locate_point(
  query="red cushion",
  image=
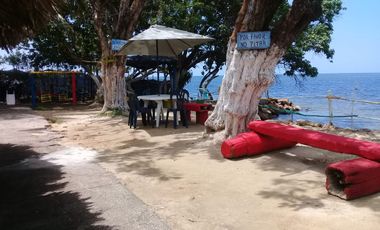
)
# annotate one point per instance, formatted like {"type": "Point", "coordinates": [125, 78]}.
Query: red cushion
{"type": "Point", "coordinates": [197, 107]}
{"type": "Point", "coordinates": [359, 190]}
{"type": "Point", "coordinates": [340, 144]}
{"type": "Point", "coordinates": [353, 178]}
{"type": "Point", "coordinates": [250, 143]}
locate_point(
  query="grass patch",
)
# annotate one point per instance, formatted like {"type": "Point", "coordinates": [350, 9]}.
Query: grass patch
{"type": "Point", "coordinates": [113, 113]}
{"type": "Point", "coordinates": [116, 112]}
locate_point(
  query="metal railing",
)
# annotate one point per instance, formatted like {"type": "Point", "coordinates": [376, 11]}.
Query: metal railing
{"type": "Point", "coordinates": [331, 114]}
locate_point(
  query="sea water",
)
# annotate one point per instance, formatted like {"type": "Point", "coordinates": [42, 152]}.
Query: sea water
{"type": "Point", "coordinates": [310, 94]}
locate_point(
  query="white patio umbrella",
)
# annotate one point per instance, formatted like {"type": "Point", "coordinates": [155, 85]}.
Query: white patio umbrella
{"type": "Point", "coordinates": [170, 42]}
{"type": "Point", "coordinates": [162, 41]}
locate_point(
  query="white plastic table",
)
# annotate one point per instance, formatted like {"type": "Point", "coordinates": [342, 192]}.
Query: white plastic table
{"type": "Point", "coordinates": [159, 100]}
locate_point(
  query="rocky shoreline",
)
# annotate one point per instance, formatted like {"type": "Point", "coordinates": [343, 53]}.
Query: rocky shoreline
{"type": "Point", "coordinates": [270, 108]}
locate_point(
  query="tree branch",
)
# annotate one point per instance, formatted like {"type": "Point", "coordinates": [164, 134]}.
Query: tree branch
{"type": "Point", "coordinates": [295, 21]}
{"type": "Point", "coordinates": [98, 21]}
{"type": "Point", "coordinates": [136, 8]}
{"type": "Point", "coordinates": [200, 58]}
{"type": "Point", "coordinates": [129, 13]}
{"type": "Point", "coordinates": [209, 77]}
{"type": "Point", "coordinates": [122, 17]}
{"type": "Point", "coordinates": [143, 74]}
{"type": "Point", "coordinates": [239, 21]}
{"type": "Point", "coordinates": [263, 12]}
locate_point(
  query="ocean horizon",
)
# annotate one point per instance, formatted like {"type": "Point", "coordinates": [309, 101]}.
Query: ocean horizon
{"type": "Point", "coordinates": [354, 89]}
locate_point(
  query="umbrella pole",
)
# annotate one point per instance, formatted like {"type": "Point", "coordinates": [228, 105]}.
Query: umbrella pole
{"type": "Point", "coordinates": [158, 75]}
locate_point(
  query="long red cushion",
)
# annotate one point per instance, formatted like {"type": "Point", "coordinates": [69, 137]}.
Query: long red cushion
{"type": "Point", "coordinates": [340, 144]}
{"type": "Point", "coordinates": [355, 178]}
{"type": "Point", "coordinates": [250, 143]}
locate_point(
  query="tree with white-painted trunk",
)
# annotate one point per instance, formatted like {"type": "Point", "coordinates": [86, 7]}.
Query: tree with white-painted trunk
{"type": "Point", "coordinates": [249, 73]}
{"type": "Point", "coordinates": [114, 19]}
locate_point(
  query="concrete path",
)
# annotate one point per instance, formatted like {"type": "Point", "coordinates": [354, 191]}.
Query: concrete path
{"type": "Point", "coordinates": [48, 186]}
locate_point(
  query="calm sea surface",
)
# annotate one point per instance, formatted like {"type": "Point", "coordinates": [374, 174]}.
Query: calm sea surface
{"type": "Point", "coordinates": [310, 94]}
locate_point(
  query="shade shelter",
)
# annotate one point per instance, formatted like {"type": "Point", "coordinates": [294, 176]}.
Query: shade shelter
{"type": "Point", "coordinates": [162, 41]}
{"type": "Point", "coordinates": [149, 62]}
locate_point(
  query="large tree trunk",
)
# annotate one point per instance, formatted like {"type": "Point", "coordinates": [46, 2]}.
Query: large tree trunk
{"type": "Point", "coordinates": [114, 83]}
{"type": "Point", "coordinates": [124, 20]}
{"type": "Point", "coordinates": [249, 73]}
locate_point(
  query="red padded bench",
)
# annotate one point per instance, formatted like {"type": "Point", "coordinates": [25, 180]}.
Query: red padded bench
{"type": "Point", "coordinates": [347, 179]}
{"type": "Point", "coordinates": [366, 149]}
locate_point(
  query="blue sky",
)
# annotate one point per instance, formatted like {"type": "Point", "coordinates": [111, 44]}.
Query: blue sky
{"type": "Point", "coordinates": [356, 40]}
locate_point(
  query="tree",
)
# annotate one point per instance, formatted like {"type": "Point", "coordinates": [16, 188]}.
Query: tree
{"type": "Point", "coordinates": [82, 36]}
{"type": "Point", "coordinates": [70, 40]}
{"type": "Point", "coordinates": [20, 19]}
{"type": "Point", "coordinates": [114, 19]}
{"type": "Point", "coordinates": [67, 42]}
{"type": "Point", "coordinates": [250, 72]}
{"type": "Point", "coordinates": [17, 60]}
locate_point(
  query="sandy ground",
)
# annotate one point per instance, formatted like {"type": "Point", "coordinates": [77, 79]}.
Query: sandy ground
{"type": "Point", "coordinates": [48, 184]}
{"type": "Point", "coordinates": [183, 177]}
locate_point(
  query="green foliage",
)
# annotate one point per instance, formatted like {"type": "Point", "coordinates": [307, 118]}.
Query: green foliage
{"type": "Point", "coordinates": [216, 19]}
{"type": "Point", "coordinates": [184, 79]}
{"type": "Point", "coordinates": [112, 113]}
{"type": "Point", "coordinates": [316, 39]}
{"type": "Point", "coordinates": [67, 41]}
{"type": "Point", "coordinates": [116, 112]}
{"type": "Point", "coordinates": [213, 18]}
{"type": "Point", "coordinates": [20, 19]}
{"type": "Point", "coordinates": [17, 60]}
{"type": "Point", "coordinates": [2, 60]}
{"type": "Point", "coordinates": [72, 40]}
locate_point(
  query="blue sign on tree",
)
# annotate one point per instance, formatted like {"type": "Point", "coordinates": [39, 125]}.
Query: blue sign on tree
{"type": "Point", "coordinates": [253, 40]}
{"type": "Point", "coordinates": [117, 44]}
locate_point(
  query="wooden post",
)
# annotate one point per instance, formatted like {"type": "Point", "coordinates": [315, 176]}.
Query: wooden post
{"type": "Point", "coordinates": [73, 88]}
{"type": "Point", "coordinates": [329, 98]}
{"type": "Point", "coordinates": [353, 107]}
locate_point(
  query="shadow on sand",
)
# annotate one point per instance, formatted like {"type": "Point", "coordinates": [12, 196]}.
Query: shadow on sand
{"type": "Point", "coordinates": [32, 195]}
{"type": "Point", "coordinates": [293, 186]}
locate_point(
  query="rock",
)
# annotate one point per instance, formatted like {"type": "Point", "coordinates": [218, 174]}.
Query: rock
{"type": "Point", "coordinates": [283, 101]}
{"type": "Point", "coordinates": [265, 110]}
{"type": "Point", "coordinates": [263, 101]}
{"type": "Point", "coordinates": [266, 114]}
{"type": "Point", "coordinates": [328, 126]}
{"type": "Point", "coordinates": [271, 107]}
{"type": "Point", "coordinates": [308, 123]}
{"type": "Point", "coordinates": [296, 108]}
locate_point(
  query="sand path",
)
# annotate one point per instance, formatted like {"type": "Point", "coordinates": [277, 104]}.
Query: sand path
{"type": "Point", "coordinates": [182, 176]}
